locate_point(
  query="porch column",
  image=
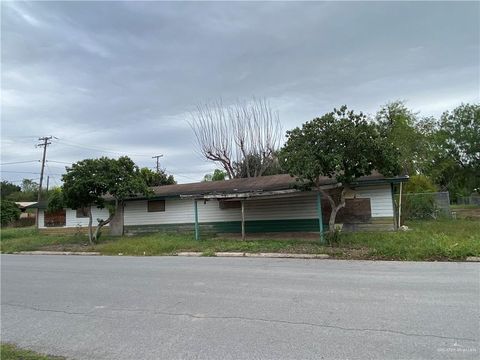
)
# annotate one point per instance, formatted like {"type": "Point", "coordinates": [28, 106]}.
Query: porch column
{"type": "Point", "coordinates": [394, 207]}
{"type": "Point", "coordinates": [243, 219]}
{"type": "Point", "coordinates": [400, 207]}
{"type": "Point", "coordinates": [320, 216]}
{"type": "Point", "coordinates": [197, 229]}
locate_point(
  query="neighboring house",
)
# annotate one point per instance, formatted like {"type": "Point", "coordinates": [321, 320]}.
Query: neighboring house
{"type": "Point", "coordinates": [266, 204]}
{"type": "Point", "coordinates": [23, 206]}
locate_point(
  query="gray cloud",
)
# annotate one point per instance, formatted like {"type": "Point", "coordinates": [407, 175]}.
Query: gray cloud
{"type": "Point", "coordinates": [111, 78]}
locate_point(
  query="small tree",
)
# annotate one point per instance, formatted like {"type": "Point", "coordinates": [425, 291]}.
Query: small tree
{"type": "Point", "coordinates": [56, 200]}
{"type": "Point", "coordinates": [8, 188]}
{"type": "Point", "coordinates": [153, 178]}
{"type": "Point", "coordinates": [89, 182]}
{"type": "Point", "coordinates": [9, 212]}
{"type": "Point", "coordinates": [398, 124]}
{"type": "Point", "coordinates": [230, 134]}
{"type": "Point", "coordinates": [342, 145]}
{"type": "Point", "coordinates": [217, 175]}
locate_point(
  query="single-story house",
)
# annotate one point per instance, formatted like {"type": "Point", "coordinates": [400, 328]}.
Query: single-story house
{"type": "Point", "coordinates": [23, 206]}
{"type": "Point", "coordinates": [249, 205]}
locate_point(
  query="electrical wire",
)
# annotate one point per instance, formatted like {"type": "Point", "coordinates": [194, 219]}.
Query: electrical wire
{"type": "Point", "coordinates": [59, 162]}
{"type": "Point", "coordinates": [20, 162]}
{"type": "Point", "coordinates": [25, 172]}
{"type": "Point", "coordinates": [60, 141]}
{"type": "Point", "coordinates": [49, 173]}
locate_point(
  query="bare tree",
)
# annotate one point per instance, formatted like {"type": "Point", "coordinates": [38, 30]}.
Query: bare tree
{"type": "Point", "coordinates": [233, 134]}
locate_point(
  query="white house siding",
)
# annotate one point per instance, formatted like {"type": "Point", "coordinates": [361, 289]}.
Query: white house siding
{"type": "Point", "coordinates": [71, 219]}
{"type": "Point", "coordinates": [302, 206]}
{"type": "Point", "coordinates": [380, 199]}
{"type": "Point", "coordinates": [177, 211]}
{"type": "Point", "coordinates": [182, 211]}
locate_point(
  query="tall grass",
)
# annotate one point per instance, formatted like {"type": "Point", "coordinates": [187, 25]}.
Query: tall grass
{"type": "Point", "coordinates": [29, 239]}
{"type": "Point", "coordinates": [427, 240]}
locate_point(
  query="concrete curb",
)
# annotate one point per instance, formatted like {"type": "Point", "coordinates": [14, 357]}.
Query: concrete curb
{"type": "Point", "coordinates": [473, 259]}
{"type": "Point", "coordinates": [189, 253]}
{"type": "Point", "coordinates": [80, 253]}
{"type": "Point", "coordinates": [288, 256]}
{"type": "Point", "coordinates": [260, 255]}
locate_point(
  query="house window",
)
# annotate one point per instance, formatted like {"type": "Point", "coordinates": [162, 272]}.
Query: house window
{"type": "Point", "coordinates": [224, 205]}
{"type": "Point", "coordinates": [83, 212]}
{"type": "Point", "coordinates": [156, 205]}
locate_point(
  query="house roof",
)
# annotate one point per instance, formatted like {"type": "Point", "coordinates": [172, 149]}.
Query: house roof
{"type": "Point", "coordinates": [262, 184]}
{"type": "Point", "coordinates": [25, 204]}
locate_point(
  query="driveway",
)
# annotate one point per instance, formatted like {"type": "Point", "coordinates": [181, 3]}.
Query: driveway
{"type": "Point", "coordinates": [239, 308]}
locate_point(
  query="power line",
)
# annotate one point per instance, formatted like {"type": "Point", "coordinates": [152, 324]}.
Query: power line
{"type": "Point", "coordinates": [59, 162]}
{"type": "Point", "coordinates": [20, 172]}
{"type": "Point", "coordinates": [20, 162]}
{"type": "Point", "coordinates": [183, 176]}
{"type": "Point", "coordinates": [50, 173]}
{"type": "Point", "coordinates": [19, 181]}
{"type": "Point", "coordinates": [99, 149]}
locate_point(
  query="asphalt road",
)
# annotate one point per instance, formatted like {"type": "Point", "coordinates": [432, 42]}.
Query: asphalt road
{"type": "Point", "coordinates": [239, 308]}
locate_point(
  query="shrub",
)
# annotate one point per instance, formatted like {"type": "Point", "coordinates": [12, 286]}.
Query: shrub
{"type": "Point", "coordinates": [420, 206]}
{"type": "Point", "coordinates": [420, 184]}
{"type": "Point", "coordinates": [9, 212]}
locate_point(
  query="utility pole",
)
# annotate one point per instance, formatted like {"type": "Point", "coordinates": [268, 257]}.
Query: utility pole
{"type": "Point", "coordinates": [48, 180]}
{"type": "Point", "coordinates": [44, 144]}
{"type": "Point", "coordinates": [158, 164]}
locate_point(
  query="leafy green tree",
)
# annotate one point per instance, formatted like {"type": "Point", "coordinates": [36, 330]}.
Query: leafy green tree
{"type": "Point", "coordinates": [254, 161]}
{"type": "Point", "coordinates": [454, 150]}
{"type": "Point", "coordinates": [28, 191]}
{"type": "Point", "coordinates": [29, 185]}
{"type": "Point", "coordinates": [218, 175]}
{"type": "Point", "coordinates": [56, 200]}
{"type": "Point", "coordinates": [461, 129]}
{"type": "Point", "coordinates": [342, 145]}
{"type": "Point", "coordinates": [420, 184]}
{"type": "Point", "coordinates": [7, 188]}
{"type": "Point", "coordinates": [398, 125]}
{"type": "Point", "coordinates": [153, 178]}
{"type": "Point", "coordinates": [9, 212]}
{"type": "Point", "coordinates": [91, 181]}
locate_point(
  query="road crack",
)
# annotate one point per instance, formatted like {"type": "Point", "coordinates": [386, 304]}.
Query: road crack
{"type": "Point", "coordinates": [245, 318]}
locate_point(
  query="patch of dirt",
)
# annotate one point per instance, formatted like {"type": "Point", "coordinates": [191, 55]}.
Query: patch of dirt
{"type": "Point", "coordinates": [348, 253]}
{"type": "Point", "coordinates": [67, 247]}
{"type": "Point", "coordinates": [308, 236]}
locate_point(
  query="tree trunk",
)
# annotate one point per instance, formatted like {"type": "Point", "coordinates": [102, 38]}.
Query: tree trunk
{"type": "Point", "coordinates": [102, 223]}
{"type": "Point", "coordinates": [90, 230]}
{"type": "Point", "coordinates": [334, 207]}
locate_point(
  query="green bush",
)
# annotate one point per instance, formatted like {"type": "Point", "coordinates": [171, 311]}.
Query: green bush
{"type": "Point", "coordinates": [419, 206]}
{"type": "Point", "coordinates": [419, 184]}
{"type": "Point", "coordinates": [9, 212]}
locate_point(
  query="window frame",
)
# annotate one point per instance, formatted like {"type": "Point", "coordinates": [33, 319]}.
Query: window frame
{"type": "Point", "coordinates": [85, 211]}
{"type": "Point", "coordinates": [156, 201]}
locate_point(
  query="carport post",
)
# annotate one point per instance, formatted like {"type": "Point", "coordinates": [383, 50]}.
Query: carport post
{"type": "Point", "coordinates": [243, 219]}
{"type": "Point", "coordinates": [320, 217]}
{"type": "Point", "coordinates": [197, 230]}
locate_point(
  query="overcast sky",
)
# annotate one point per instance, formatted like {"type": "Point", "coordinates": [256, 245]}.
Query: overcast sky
{"type": "Point", "coordinates": [113, 78]}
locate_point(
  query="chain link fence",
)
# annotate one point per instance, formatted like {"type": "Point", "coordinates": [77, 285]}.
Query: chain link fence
{"type": "Point", "coordinates": [473, 199]}
{"type": "Point", "coordinates": [426, 206]}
